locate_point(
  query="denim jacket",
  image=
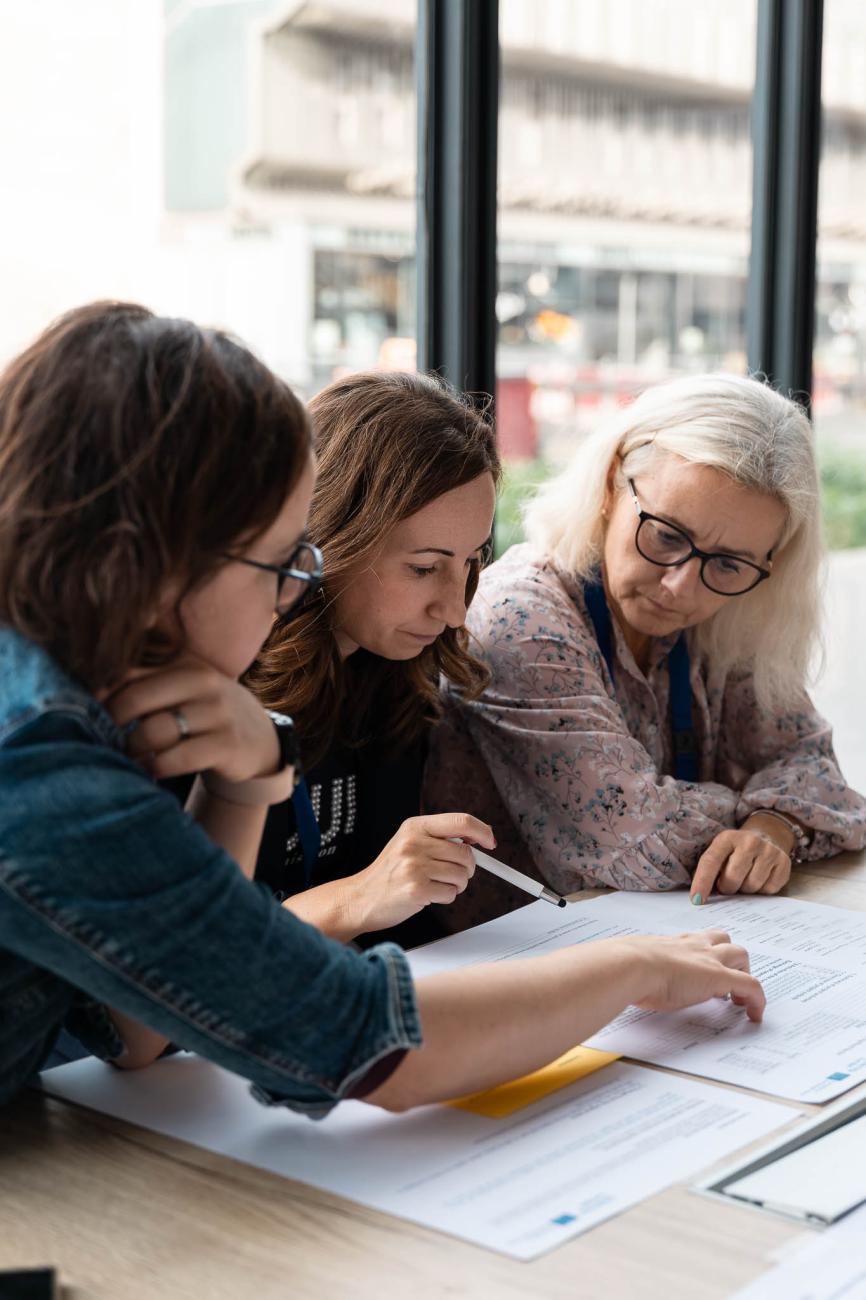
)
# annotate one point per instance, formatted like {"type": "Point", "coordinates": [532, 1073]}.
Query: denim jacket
{"type": "Point", "coordinates": [111, 895]}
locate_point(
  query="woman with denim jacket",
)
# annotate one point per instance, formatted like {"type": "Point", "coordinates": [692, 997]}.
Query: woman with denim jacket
{"type": "Point", "coordinates": [154, 485]}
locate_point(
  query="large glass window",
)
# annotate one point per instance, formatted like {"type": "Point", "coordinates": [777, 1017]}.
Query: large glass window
{"type": "Point", "coordinates": [624, 211]}
{"type": "Point", "coordinates": [248, 163]}
{"type": "Point", "coordinates": [839, 399]}
{"type": "Point", "coordinates": [839, 391]}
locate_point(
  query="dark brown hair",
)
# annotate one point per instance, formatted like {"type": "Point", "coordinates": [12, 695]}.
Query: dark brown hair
{"type": "Point", "coordinates": [134, 451]}
{"type": "Point", "coordinates": [387, 445]}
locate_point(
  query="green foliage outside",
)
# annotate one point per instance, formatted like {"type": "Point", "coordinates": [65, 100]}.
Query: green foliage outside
{"type": "Point", "coordinates": [518, 480]}
{"type": "Point", "coordinates": [843, 484]}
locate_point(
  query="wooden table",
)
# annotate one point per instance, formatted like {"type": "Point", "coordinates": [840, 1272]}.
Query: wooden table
{"type": "Point", "coordinates": [125, 1214]}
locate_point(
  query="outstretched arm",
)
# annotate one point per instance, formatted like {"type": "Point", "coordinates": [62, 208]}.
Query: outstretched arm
{"type": "Point", "coordinates": [495, 1023]}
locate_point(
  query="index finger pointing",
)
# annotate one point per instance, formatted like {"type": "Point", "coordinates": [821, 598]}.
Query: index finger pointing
{"type": "Point", "coordinates": [748, 993]}
{"type": "Point", "coordinates": [709, 865]}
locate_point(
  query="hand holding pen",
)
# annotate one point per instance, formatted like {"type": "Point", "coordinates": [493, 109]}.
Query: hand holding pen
{"type": "Point", "coordinates": [534, 887]}
{"type": "Point", "coordinates": [427, 861]}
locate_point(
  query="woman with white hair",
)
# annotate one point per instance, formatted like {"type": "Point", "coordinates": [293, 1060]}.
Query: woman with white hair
{"type": "Point", "coordinates": [647, 725]}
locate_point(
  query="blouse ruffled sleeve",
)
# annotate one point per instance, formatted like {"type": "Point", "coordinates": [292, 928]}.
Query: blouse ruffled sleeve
{"type": "Point", "coordinates": [786, 761]}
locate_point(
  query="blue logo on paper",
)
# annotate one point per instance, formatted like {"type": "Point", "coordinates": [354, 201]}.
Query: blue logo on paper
{"type": "Point", "coordinates": [838, 1075]}
{"type": "Point", "coordinates": [564, 1218]}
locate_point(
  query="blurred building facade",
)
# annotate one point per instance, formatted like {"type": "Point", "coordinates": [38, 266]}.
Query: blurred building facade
{"type": "Point", "coordinates": [624, 187]}
{"type": "Point", "coordinates": [251, 164]}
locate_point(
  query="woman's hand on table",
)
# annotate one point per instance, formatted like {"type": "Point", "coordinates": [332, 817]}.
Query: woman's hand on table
{"type": "Point", "coordinates": [756, 859]}
{"type": "Point", "coordinates": [553, 1001]}
{"type": "Point", "coordinates": [686, 969]}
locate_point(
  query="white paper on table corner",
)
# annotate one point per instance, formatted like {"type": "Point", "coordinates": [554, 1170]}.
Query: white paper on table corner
{"type": "Point", "coordinates": [519, 1185]}
{"type": "Point", "coordinates": [847, 1234]}
{"type": "Point", "coordinates": [830, 1266]}
{"type": "Point", "coordinates": [811, 959]}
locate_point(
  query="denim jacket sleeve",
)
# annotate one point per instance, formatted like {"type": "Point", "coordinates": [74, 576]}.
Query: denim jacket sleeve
{"type": "Point", "coordinates": [107, 883]}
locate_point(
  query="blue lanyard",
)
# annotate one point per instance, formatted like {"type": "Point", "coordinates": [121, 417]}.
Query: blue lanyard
{"type": "Point", "coordinates": [682, 726]}
{"type": "Point", "coordinates": [308, 827]}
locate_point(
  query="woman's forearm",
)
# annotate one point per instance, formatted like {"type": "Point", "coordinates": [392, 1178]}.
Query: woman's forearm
{"type": "Point", "coordinates": [329, 908]}
{"type": "Point", "coordinates": [495, 1023]}
{"type": "Point", "coordinates": [235, 828]}
{"type": "Point", "coordinates": [141, 1045]}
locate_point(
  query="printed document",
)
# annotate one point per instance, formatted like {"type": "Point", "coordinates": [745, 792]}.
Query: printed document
{"type": "Point", "coordinates": [810, 958]}
{"type": "Point", "coordinates": [827, 1274]}
{"type": "Point", "coordinates": [830, 1267]}
{"type": "Point", "coordinates": [519, 1184]}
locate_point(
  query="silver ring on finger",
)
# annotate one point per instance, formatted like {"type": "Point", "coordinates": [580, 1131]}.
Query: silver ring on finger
{"type": "Point", "coordinates": [183, 727]}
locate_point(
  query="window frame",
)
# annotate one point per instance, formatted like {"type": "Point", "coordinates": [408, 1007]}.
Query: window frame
{"type": "Point", "coordinates": [457, 71]}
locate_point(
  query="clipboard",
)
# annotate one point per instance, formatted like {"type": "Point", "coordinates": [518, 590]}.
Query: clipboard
{"type": "Point", "coordinates": [814, 1174]}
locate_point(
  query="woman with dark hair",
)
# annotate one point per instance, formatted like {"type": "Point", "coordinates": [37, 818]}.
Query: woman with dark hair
{"type": "Point", "coordinates": [402, 511]}
{"type": "Point", "coordinates": [154, 485]}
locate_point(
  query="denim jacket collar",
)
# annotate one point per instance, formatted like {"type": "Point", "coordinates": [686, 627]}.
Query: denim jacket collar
{"type": "Point", "coordinates": [34, 684]}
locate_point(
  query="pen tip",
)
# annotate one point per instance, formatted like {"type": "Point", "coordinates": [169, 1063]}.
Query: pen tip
{"type": "Point", "coordinates": [561, 903]}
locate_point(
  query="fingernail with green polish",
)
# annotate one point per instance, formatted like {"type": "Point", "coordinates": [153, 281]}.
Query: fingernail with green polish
{"type": "Point", "coordinates": [697, 900]}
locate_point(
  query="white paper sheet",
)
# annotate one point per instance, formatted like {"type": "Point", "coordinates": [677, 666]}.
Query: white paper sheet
{"type": "Point", "coordinates": [519, 1185]}
{"type": "Point", "coordinates": [831, 1266]}
{"type": "Point", "coordinates": [827, 1274]}
{"type": "Point", "coordinates": [810, 958]}
{"type": "Point", "coordinates": [850, 1231]}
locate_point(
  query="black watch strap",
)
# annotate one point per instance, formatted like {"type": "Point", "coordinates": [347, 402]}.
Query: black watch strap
{"type": "Point", "coordinates": [287, 739]}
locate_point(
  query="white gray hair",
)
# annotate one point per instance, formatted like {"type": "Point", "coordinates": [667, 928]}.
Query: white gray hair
{"type": "Point", "coordinates": [757, 437]}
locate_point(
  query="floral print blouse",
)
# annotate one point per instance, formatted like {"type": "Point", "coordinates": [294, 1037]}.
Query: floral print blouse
{"type": "Point", "coordinates": [573, 770]}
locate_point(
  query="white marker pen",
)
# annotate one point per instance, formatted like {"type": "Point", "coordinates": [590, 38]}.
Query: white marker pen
{"type": "Point", "coordinates": [526, 883]}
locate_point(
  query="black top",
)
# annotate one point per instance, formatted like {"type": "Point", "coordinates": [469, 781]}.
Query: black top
{"type": "Point", "coordinates": [360, 798]}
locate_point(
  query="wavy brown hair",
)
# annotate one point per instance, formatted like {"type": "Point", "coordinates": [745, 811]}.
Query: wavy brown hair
{"type": "Point", "coordinates": [134, 451]}
{"type": "Point", "coordinates": [387, 444]}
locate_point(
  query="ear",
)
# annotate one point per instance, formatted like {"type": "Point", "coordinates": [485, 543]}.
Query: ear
{"type": "Point", "coordinates": [609, 486]}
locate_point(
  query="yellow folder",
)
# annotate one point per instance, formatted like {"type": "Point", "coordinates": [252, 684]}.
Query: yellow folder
{"type": "Point", "coordinates": [497, 1103]}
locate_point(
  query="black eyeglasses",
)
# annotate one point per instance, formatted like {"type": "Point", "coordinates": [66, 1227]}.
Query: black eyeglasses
{"type": "Point", "coordinates": [300, 578]}
{"type": "Point", "coordinates": [666, 545]}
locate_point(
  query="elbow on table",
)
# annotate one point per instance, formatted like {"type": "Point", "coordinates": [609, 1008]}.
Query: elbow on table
{"type": "Point", "coordinates": [135, 1058]}
{"type": "Point", "coordinates": [398, 1095]}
